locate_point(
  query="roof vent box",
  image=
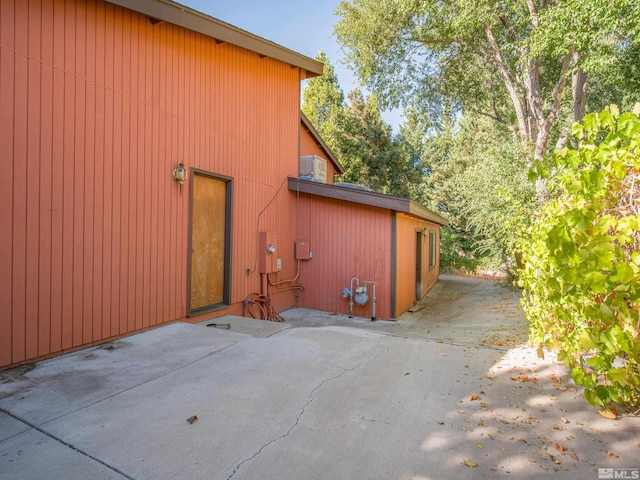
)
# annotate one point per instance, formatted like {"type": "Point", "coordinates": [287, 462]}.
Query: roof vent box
{"type": "Point", "coordinates": [314, 167]}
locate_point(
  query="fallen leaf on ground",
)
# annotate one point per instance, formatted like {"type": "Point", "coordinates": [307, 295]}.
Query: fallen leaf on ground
{"type": "Point", "coordinates": [564, 420]}
{"type": "Point", "coordinates": [524, 378]}
{"type": "Point", "coordinates": [479, 445]}
{"type": "Point", "coordinates": [560, 448]}
{"type": "Point", "coordinates": [611, 454]}
{"type": "Point", "coordinates": [554, 378]}
{"type": "Point", "coordinates": [607, 413]}
{"type": "Point", "coordinates": [192, 419]}
{"type": "Point", "coordinates": [474, 396]}
{"type": "Point", "coordinates": [574, 456]}
{"type": "Point", "coordinates": [555, 460]}
{"type": "Point", "coordinates": [469, 463]}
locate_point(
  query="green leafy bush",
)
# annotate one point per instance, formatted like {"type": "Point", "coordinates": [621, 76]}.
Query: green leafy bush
{"type": "Point", "coordinates": [455, 253]}
{"type": "Point", "coordinates": [496, 202]}
{"type": "Point", "coordinates": [580, 267]}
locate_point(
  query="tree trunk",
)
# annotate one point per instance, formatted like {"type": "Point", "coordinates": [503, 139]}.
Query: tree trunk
{"type": "Point", "coordinates": [579, 83]}
{"type": "Point", "coordinates": [534, 98]}
{"type": "Point", "coordinates": [545, 122]}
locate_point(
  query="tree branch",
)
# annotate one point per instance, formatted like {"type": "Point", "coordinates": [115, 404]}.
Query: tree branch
{"type": "Point", "coordinates": [508, 25]}
{"type": "Point", "coordinates": [494, 105]}
{"type": "Point", "coordinates": [535, 21]}
{"type": "Point", "coordinates": [454, 41]}
{"type": "Point", "coordinates": [495, 117]}
{"type": "Point", "coordinates": [502, 69]}
{"type": "Point", "coordinates": [562, 82]}
{"type": "Point", "coordinates": [545, 125]}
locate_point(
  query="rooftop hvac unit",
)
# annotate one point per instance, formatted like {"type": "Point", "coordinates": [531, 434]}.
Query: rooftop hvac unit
{"type": "Point", "coordinates": [313, 167]}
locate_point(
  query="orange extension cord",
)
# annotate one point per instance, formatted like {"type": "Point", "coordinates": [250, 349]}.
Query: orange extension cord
{"type": "Point", "coordinates": [259, 306]}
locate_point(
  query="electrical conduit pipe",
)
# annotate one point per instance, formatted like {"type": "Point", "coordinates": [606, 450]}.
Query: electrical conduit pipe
{"type": "Point", "coordinates": [373, 299]}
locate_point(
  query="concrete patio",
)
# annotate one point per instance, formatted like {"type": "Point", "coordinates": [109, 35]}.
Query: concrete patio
{"type": "Point", "coordinates": [450, 391]}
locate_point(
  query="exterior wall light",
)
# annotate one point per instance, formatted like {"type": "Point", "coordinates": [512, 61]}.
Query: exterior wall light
{"type": "Point", "coordinates": [180, 175]}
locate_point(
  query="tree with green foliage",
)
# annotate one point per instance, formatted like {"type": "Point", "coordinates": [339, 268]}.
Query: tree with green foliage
{"type": "Point", "coordinates": [477, 178]}
{"type": "Point", "coordinates": [359, 137]}
{"type": "Point", "coordinates": [510, 60]}
{"type": "Point", "coordinates": [496, 202]}
{"type": "Point", "coordinates": [412, 141]}
{"type": "Point", "coordinates": [619, 84]}
{"type": "Point", "coordinates": [443, 160]}
{"type": "Point", "coordinates": [323, 101]}
{"type": "Point", "coordinates": [368, 151]}
{"type": "Point", "coordinates": [581, 259]}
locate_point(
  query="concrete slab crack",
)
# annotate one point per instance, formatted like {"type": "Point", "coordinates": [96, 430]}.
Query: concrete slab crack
{"type": "Point", "coordinates": [300, 414]}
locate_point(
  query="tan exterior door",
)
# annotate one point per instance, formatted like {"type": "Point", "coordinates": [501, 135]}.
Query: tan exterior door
{"type": "Point", "coordinates": [208, 242]}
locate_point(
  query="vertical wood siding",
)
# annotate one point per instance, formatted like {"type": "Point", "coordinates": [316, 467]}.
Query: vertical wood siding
{"type": "Point", "coordinates": [406, 231]}
{"type": "Point", "coordinates": [97, 106]}
{"type": "Point", "coordinates": [348, 240]}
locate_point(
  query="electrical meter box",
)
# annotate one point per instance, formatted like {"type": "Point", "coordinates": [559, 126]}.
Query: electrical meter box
{"type": "Point", "coordinates": [268, 255]}
{"type": "Point", "coordinates": [303, 250]}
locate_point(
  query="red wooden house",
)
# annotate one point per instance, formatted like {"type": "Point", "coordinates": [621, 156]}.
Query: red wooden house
{"type": "Point", "coordinates": [392, 243]}
{"type": "Point", "coordinates": [100, 102]}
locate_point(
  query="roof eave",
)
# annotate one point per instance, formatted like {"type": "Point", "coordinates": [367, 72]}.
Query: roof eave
{"type": "Point", "coordinates": [363, 197]}
{"type": "Point", "coordinates": [177, 14]}
{"type": "Point", "coordinates": [336, 192]}
{"type": "Point", "coordinates": [419, 211]}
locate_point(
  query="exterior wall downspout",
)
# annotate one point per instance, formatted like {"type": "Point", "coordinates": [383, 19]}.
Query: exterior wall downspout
{"type": "Point", "coordinates": [394, 244]}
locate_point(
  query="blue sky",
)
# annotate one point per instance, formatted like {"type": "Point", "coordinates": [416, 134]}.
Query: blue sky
{"type": "Point", "coordinates": [304, 26]}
